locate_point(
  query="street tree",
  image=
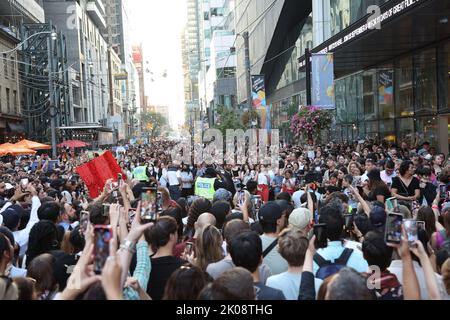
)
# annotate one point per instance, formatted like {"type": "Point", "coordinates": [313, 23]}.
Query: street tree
{"type": "Point", "coordinates": [153, 123]}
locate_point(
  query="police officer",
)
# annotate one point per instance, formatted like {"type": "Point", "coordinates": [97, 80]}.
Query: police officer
{"type": "Point", "coordinates": [207, 185]}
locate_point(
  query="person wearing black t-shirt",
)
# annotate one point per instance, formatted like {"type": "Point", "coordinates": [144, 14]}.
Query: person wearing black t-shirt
{"type": "Point", "coordinates": [162, 238]}
{"type": "Point", "coordinates": [376, 189]}
{"type": "Point", "coordinates": [406, 187]}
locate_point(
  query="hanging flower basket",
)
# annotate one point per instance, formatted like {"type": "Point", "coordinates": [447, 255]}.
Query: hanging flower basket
{"type": "Point", "coordinates": [310, 121]}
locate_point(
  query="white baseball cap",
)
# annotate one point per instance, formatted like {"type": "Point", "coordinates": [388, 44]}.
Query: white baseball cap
{"type": "Point", "coordinates": [300, 218]}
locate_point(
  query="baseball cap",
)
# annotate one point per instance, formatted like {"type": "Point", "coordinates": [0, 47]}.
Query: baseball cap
{"type": "Point", "coordinates": [377, 216]}
{"type": "Point", "coordinates": [222, 195]}
{"type": "Point", "coordinates": [300, 218]}
{"type": "Point", "coordinates": [270, 212]}
{"type": "Point", "coordinates": [11, 218]}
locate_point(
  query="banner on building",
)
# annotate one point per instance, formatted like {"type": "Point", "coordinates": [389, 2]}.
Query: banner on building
{"type": "Point", "coordinates": [386, 87]}
{"type": "Point", "coordinates": [322, 81]}
{"type": "Point", "coordinates": [95, 173]}
{"type": "Point", "coordinates": [258, 92]}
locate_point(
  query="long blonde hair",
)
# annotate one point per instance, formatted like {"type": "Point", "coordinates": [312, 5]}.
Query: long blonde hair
{"type": "Point", "coordinates": [208, 247]}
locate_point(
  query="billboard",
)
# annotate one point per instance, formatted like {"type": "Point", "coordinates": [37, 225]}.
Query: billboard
{"type": "Point", "coordinates": [258, 92]}
{"type": "Point", "coordinates": [322, 81]}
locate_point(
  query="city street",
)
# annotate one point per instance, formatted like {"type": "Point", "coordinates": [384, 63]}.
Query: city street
{"type": "Point", "coordinates": [221, 150]}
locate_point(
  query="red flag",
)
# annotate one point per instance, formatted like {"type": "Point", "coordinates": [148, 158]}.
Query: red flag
{"type": "Point", "coordinates": [95, 173]}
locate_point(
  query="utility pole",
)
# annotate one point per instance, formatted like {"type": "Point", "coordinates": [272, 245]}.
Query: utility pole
{"type": "Point", "coordinates": [52, 94]}
{"type": "Point", "coordinates": [245, 35]}
{"type": "Point", "coordinates": [308, 76]}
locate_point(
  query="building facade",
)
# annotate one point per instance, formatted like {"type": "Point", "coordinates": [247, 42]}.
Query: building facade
{"type": "Point", "coordinates": [11, 79]}
{"type": "Point", "coordinates": [217, 79]}
{"type": "Point", "coordinates": [83, 22]}
{"type": "Point", "coordinates": [191, 51]}
{"type": "Point", "coordinates": [392, 63]}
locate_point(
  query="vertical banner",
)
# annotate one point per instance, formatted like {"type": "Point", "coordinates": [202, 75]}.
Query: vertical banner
{"type": "Point", "coordinates": [258, 92]}
{"type": "Point", "coordinates": [386, 87]}
{"type": "Point", "coordinates": [322, 82]}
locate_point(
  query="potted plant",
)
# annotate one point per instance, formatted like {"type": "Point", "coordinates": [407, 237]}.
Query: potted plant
{"type": "Point", "coordinates": [310, 121]}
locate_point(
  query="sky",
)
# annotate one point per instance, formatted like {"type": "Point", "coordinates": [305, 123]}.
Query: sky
{"type": "Point", "coordinates": [158, 24]}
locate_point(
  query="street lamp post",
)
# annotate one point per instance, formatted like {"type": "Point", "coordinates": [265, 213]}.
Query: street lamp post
{"type": "Point", "coordinates": [52, 91]}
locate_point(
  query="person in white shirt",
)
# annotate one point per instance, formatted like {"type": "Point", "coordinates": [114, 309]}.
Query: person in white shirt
{"type": "Point", "coordinates": [187, 179]}
{"type": "Point", "coordinates": [174, 180]}
{"type": "Point", "coordinates": [21, 236]}
{"type": "Point", "coordinates": [388, 173]}
{"type": "Point", "coordinates": [263, 184]}
{"type": "Point", "coordinates": [370, 165]}
{"type": "Point", "coordinates": [292, 247]}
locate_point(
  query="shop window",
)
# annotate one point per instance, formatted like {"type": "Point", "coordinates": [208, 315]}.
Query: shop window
{"type": "Point", "coordinates": [369, 95]}
{"type": "Point", "coordinates": [340, 101]}
{"type": "Point", "coordinates": [444, 77]}
{"type": "Point", "coordinates": [405, 130]}
{"type": "Point", "coordinates": [404, 93]}
{"type": "Point", "coordinates": [425, 79]}
{"type": "Point", "coordinates": [387, 130]}
{"type": "Point", "coordinates": [427, 129]}
{"type": "Point", "coordinates": [372, 129]}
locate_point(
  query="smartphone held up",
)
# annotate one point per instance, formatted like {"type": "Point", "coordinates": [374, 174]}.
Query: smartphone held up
{"type": "Point", "coordinates": [393, 232]}
{"type": "Point", "coordinates": [102, 238]}
{"type": "Point", "coordinates": [321, 236]}
{"type": "Point", "coordinates": [151, 205]}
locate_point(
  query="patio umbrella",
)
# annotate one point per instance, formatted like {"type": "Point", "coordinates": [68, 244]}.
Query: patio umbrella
{"type": "Point", "coordinates": [32, 145]}
{"type": "Point", "coordinates": [73, 144]}
{"type": "Point", "coordinates": [9, 148]}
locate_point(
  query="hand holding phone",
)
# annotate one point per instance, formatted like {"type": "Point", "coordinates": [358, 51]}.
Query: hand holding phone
{"type": "Point", "coordinates": [349, 219]}
{"type": "Point", "coordinates": [149, 210]}
{"type": "Point", "coordinates": [411, 231]}
{"type": "Point", "coordinates": [321, 237]}
{"type": "Point", "coordinates": [102, 237]}
{"type": "Point", "coordinates": [189, 247]}
{"type": "Point", "coordinates": [393, 233]}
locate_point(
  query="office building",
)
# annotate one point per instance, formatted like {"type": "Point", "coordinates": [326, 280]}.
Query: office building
{"type": "Point", "coordinates": [391, 63]}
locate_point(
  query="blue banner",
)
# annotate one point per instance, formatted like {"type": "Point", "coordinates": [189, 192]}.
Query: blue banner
{"type": "Point", "coordinates": [322, 81]}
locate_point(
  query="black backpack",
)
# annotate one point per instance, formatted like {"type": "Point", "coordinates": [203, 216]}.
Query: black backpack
{"type": "Point", "coordinates": [328, 268]}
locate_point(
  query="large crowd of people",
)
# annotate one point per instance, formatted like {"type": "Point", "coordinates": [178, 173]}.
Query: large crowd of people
{"type": "Point", "coordinates": [360, 221]}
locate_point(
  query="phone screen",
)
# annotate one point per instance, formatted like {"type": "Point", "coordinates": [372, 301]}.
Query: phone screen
{"type": "Point", "coordinates": [102, 237]}
{"type": "Point", "coordinates": [84, 221]}
{"type": "Point", "coordinates": [348, 222]}
{"type": "Point", "coordinates": [391, 204]}
{"type": "Point", "coordinates": [443, 191]}
{"type": "Point", "coordinates": [394, 228]}
{"type": "Point", "coordinates": [188, 248]}
{"type": "Point", "coordinates": [106, 207]}
{"type": "Point", "coordinates": [241, 199]}
{"type": "Point", "coordinates": [257, 202]}
{"type": "Point", "coordinates": [420, 225]}
{"type": "Point", "coordinates": [159, 202]}
{"type": "Point", "coordinates": [148, 205]}
{"type": "Point", "coordinates": [411, 231]}
{"type": "Point", "coordinates": [321, 237]}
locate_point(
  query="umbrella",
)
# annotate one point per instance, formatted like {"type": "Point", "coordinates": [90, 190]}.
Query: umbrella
{"type": "Point", "coordinates": [9, 148]}
{"type": "Point", "coordinates": [73, 144]}
{"type": "Point", "coordinates": [32, 145]}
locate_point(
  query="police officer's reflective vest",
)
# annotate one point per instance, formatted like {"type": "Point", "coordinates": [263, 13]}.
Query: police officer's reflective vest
{"type": "Point", "coordinates": [204, 187]}
{"type": "Point", "coordinates": [140, 173]}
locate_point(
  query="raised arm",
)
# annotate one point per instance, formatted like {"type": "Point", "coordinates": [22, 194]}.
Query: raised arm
{"type": "Point", "coordinates": [430, 278]}
{"type": "Point", "coordinates": [307, 284]}
{"type": "Point", "coordinates": [360, 199]}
